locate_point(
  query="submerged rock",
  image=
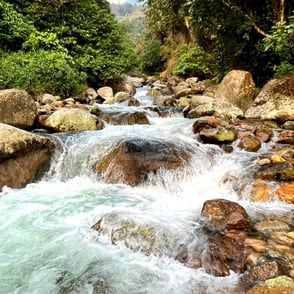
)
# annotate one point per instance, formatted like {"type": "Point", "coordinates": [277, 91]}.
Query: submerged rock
{"type": "Point", "coordinates": [285, 192]}
{"type": "Point", "coordinates": [137, 234]}
{"type": "Point", "coordinates": [125, 118]}
{"type": "Point", "coordinates": [131, 161]}
{"type": "Point", "coordinates": [22, 156]}
{"type": "Point", "coordinates": [281, 171]}
{"type": "Point", "coordinates": [250, 143]}
{"type": "Point", "coordinates": [17, 108]}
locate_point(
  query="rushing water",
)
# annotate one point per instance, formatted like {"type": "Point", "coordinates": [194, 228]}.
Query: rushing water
{"type": "Point", "coordinates": [47, 245]}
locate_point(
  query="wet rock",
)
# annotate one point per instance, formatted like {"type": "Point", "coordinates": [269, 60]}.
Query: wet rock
{"type": "Point", "coordinates": [183, 102]}
{"type": "Point", "coordinates": [219, 135]}
{"type": "Point", "coordinates": [131, 161]}
{"type": "Point", "coordinates": [222, 255]}
{"type": "Point", "coordinates": [224, 214]}
{"type": "Point", "coordinates": [125, 118]}
{"type": "Point", "coordinates": [268, 226]}
{"type": "Point", "coordinates": [288, 125]}
{"type": "Point", "coordinates": [105, 92]}
{"type": "Point", "coordinates": [17, 108]}
{"type": "Point", "coordinates": [275, 101]}
{"type": "Point", "coordinates": [133, 102]}
{"type": "Point", "coordinates": [285, 192]}
{"type": "Point", "coordinates": [261, 191]}
{"type": "Point", "coordinates": [280, 284]}
{"type": "Point", "coordinates": [280, 171]}
{"type": "Point", "coordinates": [65, 120]}
{"type": "Point", "coordinates": [286, 137]}
{"type": "Point", "coordinates": [262, 272]}
{"type": "Point", "coordinates": [250, 143]}
{"type": "Point", "coordinates": [23, 156]}
{"type": "Point", "coordinates": [257, 245]}
{"type": "Point", "coordinates": [205, 123]}
{"type": "Point", "coordinates": [237, 88]}
{"type": "Point", "coordinates": [200, 111]}
{"type": "Point", "coordinates": [154, 92]}
{"type": "Point", "coordinates": [137, 234]}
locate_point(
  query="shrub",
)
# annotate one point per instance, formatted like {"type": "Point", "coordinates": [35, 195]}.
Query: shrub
{"type": "Point", "coordinates": [194, 61]}
{"type": "Point", "coordinates": [41, 71]}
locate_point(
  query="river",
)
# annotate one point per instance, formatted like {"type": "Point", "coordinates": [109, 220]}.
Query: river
{"type": "Point", "coordinates": [47, 245]}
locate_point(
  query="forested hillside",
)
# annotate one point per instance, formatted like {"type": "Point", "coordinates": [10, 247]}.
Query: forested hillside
{"type": "Point", "coordinates": [60, 46]}
{"type": "Point", "coordinates": [208, 38]}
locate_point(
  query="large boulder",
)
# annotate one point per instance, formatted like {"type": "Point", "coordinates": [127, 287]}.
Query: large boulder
{"type": "Point", "coordinates": [17, 108]}
{"type": "Point", "coordinates": [74, 119]}
{"type": "Point", "coordinates": [105, 92]}
{"type": "Point", "coordinates": [131, 161]}
{"type": "Point", "coordinates": [275, 101]}
{"type": "Point", "coordinates": [237, 88]}
{"type": "Point", "coordinates": [22, 156]}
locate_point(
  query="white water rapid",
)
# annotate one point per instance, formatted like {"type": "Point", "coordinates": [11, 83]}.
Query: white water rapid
{"type": "Point", "coordinates": [46, 241]}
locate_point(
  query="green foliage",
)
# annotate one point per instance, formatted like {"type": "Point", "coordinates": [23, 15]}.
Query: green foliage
{"type": "Point", "coordinates": [41, 71]}
{"type": "Point", "coordinates": [14, 28]}
{"type": "Point", "coordinates": [194, 61]}
{"type": "Point", "coordinates": [151, 58]}
{"type": "Point", "coordinates": [281, 43]}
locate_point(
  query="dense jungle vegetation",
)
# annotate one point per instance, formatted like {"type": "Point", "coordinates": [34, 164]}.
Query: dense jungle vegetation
{"type": "Point", "coordinates": [62, 46]}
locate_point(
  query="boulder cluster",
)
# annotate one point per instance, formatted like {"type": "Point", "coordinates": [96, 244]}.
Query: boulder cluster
{"type": "Point", "coordinates": [233, 115]}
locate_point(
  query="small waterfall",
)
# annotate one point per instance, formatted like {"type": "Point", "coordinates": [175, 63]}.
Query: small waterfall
{"type": "Point", "coordinates": [48, 246]}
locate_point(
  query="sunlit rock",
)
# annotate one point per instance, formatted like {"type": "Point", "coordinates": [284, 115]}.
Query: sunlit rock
{"type": "Point", "coordinates": [65, 120]}
{"type": "Point", "coordinates": [219, 135]}
{"type": "Point", "coordinates": [131, 161]}
{"type": "Point", "coordinates": [261, 191]}
{"type": "Point", "coordinates": [237, 88]}
{"type": "Point", "coordinates": [23, 156]}
{"type": "Point", "coordinates": [275, 101]}
{"type": "Point", "coordinates": [224, 214]}
{"type": "Point", "coordinates": [286, 137]}
{"type": "Point", "coordinates": [285, 192]}
{"type": "Point", "coordinates": [105, 92]}
{"type": "Point", "coordinates": [17, 108]}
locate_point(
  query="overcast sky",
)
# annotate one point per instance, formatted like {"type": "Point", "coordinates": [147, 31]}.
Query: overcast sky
{"type": "Point", "coordinates": [116, 1]}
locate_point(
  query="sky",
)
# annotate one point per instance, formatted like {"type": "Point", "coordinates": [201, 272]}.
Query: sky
{"type": "Point", "coordinates": [121, 1]}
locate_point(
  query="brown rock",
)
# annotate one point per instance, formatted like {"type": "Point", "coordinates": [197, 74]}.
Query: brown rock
{"type": "Point", "coordinates": [219, 135]}
{"type": "Point", "coordinates": [17, 108]}
{"type": "Point", "coordinates": [250, 143]}
{"type": "Point", "coordinates": [125, 118]}
{"type": "Point", "coordinates": [269, 226]}
{"type": "Point", "coordinates": [256, 244]}
{"type": "Point", "coordinates": [286, 137]}
{"type": "Point", "coordinates": [22, 156]}
{"type": "Point", "coordinates": [261, 191]}
{"type": "Point", "coordinates": [281, 171]}
{"type": "Point", "coordinates": [205, 123]}
{"type": "Point", "coordinates": [225, 214]}
{"type": "Point", "coordinates": [237, 88]}
{"type": "Point", "coordinates": [133, 160]}
{"type": "Point", "coordinates": [286, 192]}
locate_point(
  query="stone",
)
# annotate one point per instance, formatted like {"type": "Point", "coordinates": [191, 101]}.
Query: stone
{"type": "Point", "coordinates": [219, 135]}
{"type": "Point", "coordinates": [257, 245]}
{"type": "Point", "coordinates": [74, 119]}
{"type": "Point", "coordinates": [105, 92]}
{"type": "Point", "coordinates": [125, 118]}
{"type": "Point", "coordinates": [224, 214]}
{"type": "Point", "coordinates": [200, 111]}
{"type": "Point", "coordinates": [136, 234]}
{"type": "Point", "coordinates": [237, 88]}
{"type": "Point", "coordinates": [131, 161]}
{"type": "Point", "coordinates": [275, 101]}
{"type": "Point", "coordinates": [268, 226]}
{"type": "Point", "coordinates": [285, 192]}
{"type": "Point", "coordinates": [280, 171]}
{"type": "Point", "coordinates": [286, 137]}
{"type": "Point", "coordinates": [261, 191]}
{"type": "Point", "coordinates": [88, 95]}
{"type": "Point", "coordinates": [17, 108]}
{"type": "Point", "coordinates": [205, 123]}
{"type": "Point", "coordinates": [121, 97]}
{"type": "Point", "coordinates": [197, 100]}
{"type": "Point", "coordinates": [250, 143]}
{"type": "Point", "coordinates": [133, 102]}
{"type": "Point", "coordinates": [48, 99]}
{"type": "Point", "coordinates": [23, 156]}
{"type": "Point", "coordinates": [183, 102]}
{"type": "Point", "coordinates": [227, 110]}
{"type": "Point", "coordinates": [288, 125]}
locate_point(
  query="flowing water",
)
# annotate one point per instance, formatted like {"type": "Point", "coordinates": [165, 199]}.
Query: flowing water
{"type": "Point", "coordinates": [47, 245]}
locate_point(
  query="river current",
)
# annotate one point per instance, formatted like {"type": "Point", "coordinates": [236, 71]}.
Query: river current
{"type": "Point", "coordinates": [46, 241]}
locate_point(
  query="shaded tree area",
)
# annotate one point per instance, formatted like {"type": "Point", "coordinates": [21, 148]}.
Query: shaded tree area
{"type": "Point", "coordinates": [225, 34]}
{"type": "Point", "coordinates": [61, 46]}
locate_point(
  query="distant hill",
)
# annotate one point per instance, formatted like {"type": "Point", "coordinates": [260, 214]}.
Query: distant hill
{"type": "Point", "coordinates": [130, 14]}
